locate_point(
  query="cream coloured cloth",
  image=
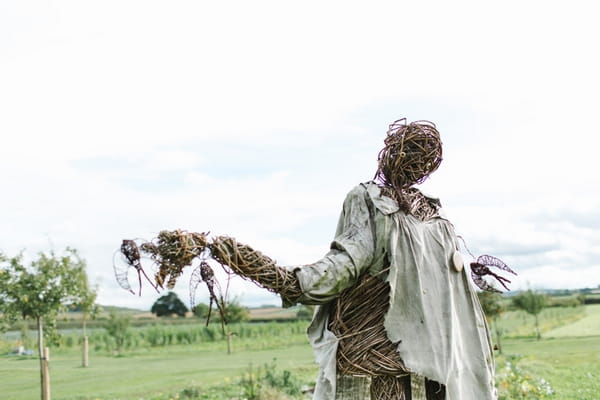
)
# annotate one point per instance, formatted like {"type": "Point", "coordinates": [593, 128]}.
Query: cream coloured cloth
{"type": "Point", "coordinates": [434, 314]}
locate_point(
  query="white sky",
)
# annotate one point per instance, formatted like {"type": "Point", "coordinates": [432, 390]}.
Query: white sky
{"type": "Point", "coordinates": [253, 119]}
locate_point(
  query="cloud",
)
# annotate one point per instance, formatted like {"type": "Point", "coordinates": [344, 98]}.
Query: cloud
{"type": "Point", "coordinates": [120, 119]}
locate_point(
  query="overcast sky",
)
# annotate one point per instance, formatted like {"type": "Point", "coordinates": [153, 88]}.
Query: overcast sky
{"type": "Point", "coordinates": [253, 119]}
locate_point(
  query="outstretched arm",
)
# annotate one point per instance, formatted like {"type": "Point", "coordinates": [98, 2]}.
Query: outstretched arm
{"type": "Point", "coordinates": [350, 255]}
{"type": "Point", "coordinates": [253, 265]}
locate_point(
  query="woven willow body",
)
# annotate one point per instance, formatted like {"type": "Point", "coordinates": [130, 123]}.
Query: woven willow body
{"type": "Point", "coordinates": [364, 349]}
{"type": "Point", "coordinates": [358, 316]}
{"type": "Point", "coordinates": [357, 321]}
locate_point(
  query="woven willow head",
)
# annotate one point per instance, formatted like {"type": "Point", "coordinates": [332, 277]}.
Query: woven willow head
{"type": "Point", "coordinates": [411, 153]}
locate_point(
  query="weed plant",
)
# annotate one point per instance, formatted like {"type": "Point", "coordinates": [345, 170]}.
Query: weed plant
{"type": "Point", "coordinates": [515, 383]}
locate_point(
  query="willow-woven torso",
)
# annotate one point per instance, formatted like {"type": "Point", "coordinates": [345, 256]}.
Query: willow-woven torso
{"type": "Point", "coordinates": [357, 321]}
{"type": "Point", "coordinates": [433, 325]}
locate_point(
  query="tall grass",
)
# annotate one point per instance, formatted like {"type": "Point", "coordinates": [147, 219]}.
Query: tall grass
{"type": "Point", "coordinates": [520, 324]}
{"type": "Point", "coordinates": [246, 336]}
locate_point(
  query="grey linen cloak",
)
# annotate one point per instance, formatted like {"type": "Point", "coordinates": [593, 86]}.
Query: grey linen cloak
{"type": "Point", "coordinates": [434, 314]}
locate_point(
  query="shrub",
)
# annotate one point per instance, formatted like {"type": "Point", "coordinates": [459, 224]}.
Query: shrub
{"type": "Point", "coordinates": [514, 383]}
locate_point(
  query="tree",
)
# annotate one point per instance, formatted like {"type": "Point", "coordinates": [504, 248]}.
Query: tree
{"type": "Point", "coordinates": [532, 303]}
{"type": "Point", "coordinates": [40, 291]}
{"type": "Point", "coordinates": [493, 308]}
{"type": "Point", "coordinates": [167, 305]}
{"type": "Point", "coordinates": [234, 312]}
{"type": "Point", "coordinates": [201, 310]}
{"type": "Point", "coordinates": [87, 305]}
{"type": "Point", "coordinates": [117, 327]}
{"type": "Point", "coordinates": [305, 313]}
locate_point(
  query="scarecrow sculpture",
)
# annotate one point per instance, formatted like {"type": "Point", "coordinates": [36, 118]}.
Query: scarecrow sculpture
{"type": "Point", "coordinates": [396, 304]}
{"type": "Point", "coordinates": [397, 316]}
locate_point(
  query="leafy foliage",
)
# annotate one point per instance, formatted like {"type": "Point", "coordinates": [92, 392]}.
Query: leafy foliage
{"type": "Point", "coordinates": [201, 310]}
{"type": "Point", "coordinates": [514, 383]}
{"type": "Point", "coordinates": [117, 327]}
{"type": "Point", "coordinates": [532, 303]}
{"type": "Point", "coordinates": [491, 303]}
{"type": "Point", "coordinates": [305, 313]}
{"type": "Point", "coordinates": [169, 304]}
{"type": "Point", "coordinates": [493, 307]}
{"type": "Point", "coordinates": [283, 380]}
{"type": "Point", "coordinates": [87, 300]}
{"type": "Point", "coordinates": [255, 383]}
{"type": "Point", "coordinates": [235, 312]}
{"type": "Point", "coordinates": [41, 290]}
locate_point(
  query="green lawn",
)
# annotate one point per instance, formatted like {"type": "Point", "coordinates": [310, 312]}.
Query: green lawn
{"type": "Point", "coordinates": [570, 364]}
{"type": "Point", "coordinates": [164, 370]}
{"type": "Point", "coordinates": [568, 357]}
{"type": "Point", "coordinates": [589, 325]}
{"type": "Point", "coordinates": [519, 324]}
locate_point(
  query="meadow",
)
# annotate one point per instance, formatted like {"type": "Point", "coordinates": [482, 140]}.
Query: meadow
{"type": "Point", "coordinates": [275, 361]}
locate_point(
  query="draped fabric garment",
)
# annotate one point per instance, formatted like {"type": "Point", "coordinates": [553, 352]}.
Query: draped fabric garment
{"type": "Point", "coordinates": [434, 315]}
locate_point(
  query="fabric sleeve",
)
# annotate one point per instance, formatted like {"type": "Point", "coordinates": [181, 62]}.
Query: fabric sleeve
{"type": "Point", "coordinates": [350, 255]}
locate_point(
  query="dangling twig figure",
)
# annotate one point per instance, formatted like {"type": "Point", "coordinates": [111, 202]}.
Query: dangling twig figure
{"type": "Point", "coordinates": [131, 254]}
{"type": "Point", "coordinates": [479, 269]}
{"type": "Point", "coordinates": [205, 273]}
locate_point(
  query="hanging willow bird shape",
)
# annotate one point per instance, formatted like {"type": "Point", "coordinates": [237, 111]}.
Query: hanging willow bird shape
{"type": "Point", "coordinates": [131, 256]}
{"type": "Point", "coordinates": [479, 269]}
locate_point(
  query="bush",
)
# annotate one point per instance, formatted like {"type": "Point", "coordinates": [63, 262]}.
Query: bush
{"type": "Point", "coordinates": [564, 301]}
{"type": "Point", "coordinates": [516, 384]}
{"type": "Point", "coordinates": [305, 313]}
{"type": "Point", "coordinates": [117, 327]}
{"type": "Point", "coordinates": [266, 383]}
{"type": "Point", "coordinates": [283, 380]}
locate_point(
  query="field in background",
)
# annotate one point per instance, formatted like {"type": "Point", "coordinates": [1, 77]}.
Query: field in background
{"type": "Point", "coordinates": [145, 373]}
{"type": "Point", "coordinates": [571, 365]}
{"type": "Point", "coordinates": [138, 318]}
{"type": "Point", "coordinates": [520, 324]}
{"type": "Point", "coordinates": [568, 357]}
{"type": "Point", "coordinates": [588, 325]}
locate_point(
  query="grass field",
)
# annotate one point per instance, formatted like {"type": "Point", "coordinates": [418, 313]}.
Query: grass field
{"type": "Point", "coordinates": [519, 324]}
{"type": "Point", "coordinates": [570, 364]}
{"type": "Point", "coordinates": [568, 357]}
{"type": "Point", "coordinates": [589, 325]}
{"type": "Point", "coordinates": [144, 374]}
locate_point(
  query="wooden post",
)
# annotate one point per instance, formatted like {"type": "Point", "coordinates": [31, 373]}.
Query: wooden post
{"type": "Point", "coordinates": [495, 323]}
{"type": "Point", "coordinates": [229, 342]}
{"type": "Point", "coordinates": [84, 356]}
{"type": "Point", "coordinates": [44, 354]}
{"type": "Point", "coordinates": [45, 375]}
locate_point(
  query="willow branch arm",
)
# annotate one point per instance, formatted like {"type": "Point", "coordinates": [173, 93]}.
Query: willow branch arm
{"type": "Point", "coordinates": [253, 265]}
